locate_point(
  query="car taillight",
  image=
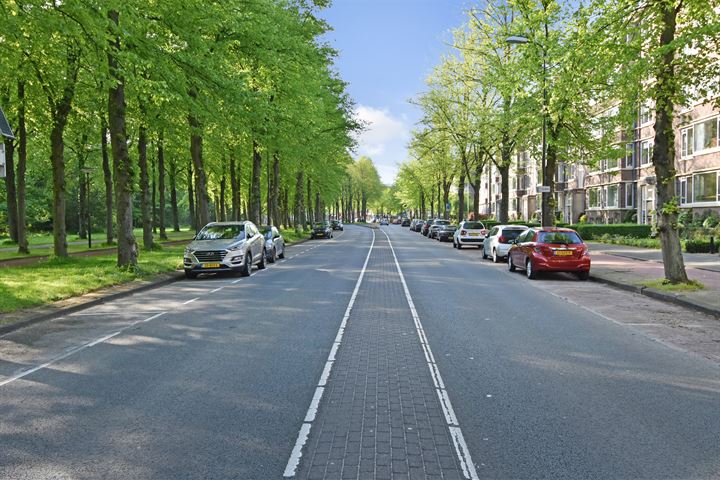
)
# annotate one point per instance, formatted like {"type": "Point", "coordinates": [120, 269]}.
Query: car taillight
{"type": "Point", "coordinates": [502, 239]}
{"type": "Point", "coordinates": [585, 252]}
{"type": "Point", "coordinates": [463, 232]}
{"type": "Point", "coordinates": [483, 232]}
{"type": "Point", "coordinates": [544, 251]}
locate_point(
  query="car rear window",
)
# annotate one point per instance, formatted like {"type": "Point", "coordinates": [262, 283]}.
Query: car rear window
{"type": "Point", "coordinates": [567, 238]}
{"type": "Point", "coordinates": [473, 225]}
{"type": "Point", "coordinates": [441, 222]}
{"type": "Point", "coordinates": [512, 233]}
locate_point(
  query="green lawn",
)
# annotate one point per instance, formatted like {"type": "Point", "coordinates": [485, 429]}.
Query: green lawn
{"type": "Point", "coordinates": [291, 236]}
{"type": "Point", "coordinates": [665, 286]}
{"type": "Point", "coordinates": [57, 279]}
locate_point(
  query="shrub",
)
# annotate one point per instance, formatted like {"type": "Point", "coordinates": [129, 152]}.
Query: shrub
{"type": "Point", "coordinates": [700, 246]}
{"type": "Point", "coordinates": [590, 231]}
{"type": "Point", "coordinates": [711, 221]}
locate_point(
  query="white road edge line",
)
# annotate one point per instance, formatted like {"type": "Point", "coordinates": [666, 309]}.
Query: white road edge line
{"type": "Point", "coordinates": [296, 454]}
{"type": "Point", "coordinates": [74, 350]}
{"type": "Point", "coordinates": [463, 454]}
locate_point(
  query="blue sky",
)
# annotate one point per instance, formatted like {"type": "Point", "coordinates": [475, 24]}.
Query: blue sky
{"type": "Point", "coordinates": [387, 50]}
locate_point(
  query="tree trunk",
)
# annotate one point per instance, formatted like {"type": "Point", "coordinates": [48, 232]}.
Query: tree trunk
{"type": "Point", "coordinates": [107, 178]}
{"type": "Point", "coordinates": [255, 193]}
{"type": "Point", "coordinates": [127, 248]}
{"type": "Point", "coordinates": [83, 188]}
{"type": "Point", "coordinates": [476, 193]}
{"type": "Point", "coordinates": [318, 210]}
{"type": "Point", "coordinates": [223, 187]}
{"type": "Point", "coordinates": [144, 190]}
{"type": "Point", "coordinates": [153, 194]}
{"type": "Point", "coordinates": [234, 190]}
{"type": "Point", "coordinates": [191, 199]}
{"type": "Point", "coordinates": [446, 198]}
{"type": "Point", "coordinates": [161, 185]}
{"type": "Point", "coordinates": [276, 220]}
{"type": "Point", "coordinates": [299, 203]}
{"type": "Point", "coordinates": [503, 207]}
{"type": "Point", "coordinates": [173, 198]}
{"type": "Point", "coordinates": [21, 167]}
{"type": "Point", "coordinates": [310, 215]}
{"type": "Point", "coordinates": [202, 201]}
{"type": "Point", "coordinates": [548, 199]}
{"type": "Point", "coordinates": [10, 189]}
{"type": "Point", "coordinates": [461, 198]}
{"type": "Point", "coordinates": [665, 89]}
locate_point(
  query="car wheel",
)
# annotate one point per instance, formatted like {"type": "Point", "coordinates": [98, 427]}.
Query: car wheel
{"type": "Point", "coordinates": [282, 254]}
{"type": "Point", "coordinates": [583, 275]}
{"type": "Point", "coordinates": [273, 256]}
{"type": "Point", "coordinates": [246, 269]}
{"type": "Point", "coordinates": [511, 265]}
{"type": "Point", "coordinates": [495, 257]}
{"type": "Point", "coordinates": [459, 246]}
{"type": "Point", "coordinates": [190, 274]}
{"type": "Point", "coordinates": [484, 255]}
{"type": "Point", "coordinates": [261, 264]}
{"type": "Point", "coordinates": [529, 270]}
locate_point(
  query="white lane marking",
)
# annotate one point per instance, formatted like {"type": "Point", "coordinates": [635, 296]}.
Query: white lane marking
{"type": "Point", "coordinates": [461, 449]}
{"type": "Point", "coordinates": [73, 351]}
{"type": "Point", "coordinates": [216, 290]}
{"type": "Point", "coordinates": [296, 454]}
{"type": "Point", "coordinates": [312, 411]}
{"type": "Point", "coordinates": [190, 301]}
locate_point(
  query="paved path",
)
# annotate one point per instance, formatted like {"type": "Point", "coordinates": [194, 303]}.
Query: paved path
{"type": "Point", "coordinates": [471, 371]}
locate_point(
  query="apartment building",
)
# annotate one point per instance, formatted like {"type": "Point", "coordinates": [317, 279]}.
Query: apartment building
{"type": "Point", "coordinates": [622, 189]}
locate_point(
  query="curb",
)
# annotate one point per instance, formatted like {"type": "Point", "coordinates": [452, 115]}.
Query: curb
{"type": "Point", "coordinates": [55, 311]}
{"type": "Point", "coordinates": [657, 295]}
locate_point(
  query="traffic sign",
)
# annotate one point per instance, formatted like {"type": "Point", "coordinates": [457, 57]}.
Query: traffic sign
{"type": "Point", "coordinates": [447, 207]}
{"type": "Point", "coordinates": [543, 189]}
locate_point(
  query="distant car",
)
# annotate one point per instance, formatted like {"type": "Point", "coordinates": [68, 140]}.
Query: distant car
{"type": "Point", "coordinates": [550, 249]}
{"type": "Point", "coordinates": [383, 221]}
{"type": "Point", "coordinates": [405, 222]}
{"type": "Point", "coordinates": [497, 242]}
{"type": "Point", "coordinates": [425, 227]}
{"type": "Point", "coordinates": [274, 243]}
{"type": "Point", "coordinates": [445, 233]}
{"type": "Point", "coordinates": [435, 226]}
{"type": "Point", "coordinates": [225, 247]}
{"type": "Point", "coordinates": [321, 230]}
{"type": "Point", "coordinates": [469, 232]}
{"type": "Point", "coordinates": [337, 225]}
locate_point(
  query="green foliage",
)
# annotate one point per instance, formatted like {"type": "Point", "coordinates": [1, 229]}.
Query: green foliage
{"type": "Point", "coordinates": [591, 231]}
{"type": "Point", "coordinates": [630, 241]}
{"type": "Point", "coordinates": [700, 246]}
{"type": "Point", "coordinates": [666, 285]}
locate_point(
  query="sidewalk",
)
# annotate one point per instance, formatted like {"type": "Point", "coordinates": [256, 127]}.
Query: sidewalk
{"type": "Point", "coordinates": [627, 267]}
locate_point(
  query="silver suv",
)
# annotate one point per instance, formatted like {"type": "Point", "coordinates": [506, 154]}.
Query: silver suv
{"type": "Point", "coordinates": [225, 247]}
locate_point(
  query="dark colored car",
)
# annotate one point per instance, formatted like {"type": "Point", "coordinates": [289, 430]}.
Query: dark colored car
{"type": "Point", "coordinates": [336, 225]}
{"type": "Point", "coordinates": [435, 225]}
{"type": "Point", "coordinates": [405, 222]}
{"type": "Point", "coordinates": [445, 232]}
{"type": "Point", "coordinates": [321, 230]}
{"type": "Point", "coordinates": [550, 249]}
{"type": "Point", "coordinates": [425, 228]}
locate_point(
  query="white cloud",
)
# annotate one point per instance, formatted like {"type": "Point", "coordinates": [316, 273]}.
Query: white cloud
{"type": "Point", "coordinates": [383, 140]}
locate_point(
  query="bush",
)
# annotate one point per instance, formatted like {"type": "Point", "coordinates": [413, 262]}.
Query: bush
{"type": "Point", "coordinates": [700, 246]}
{"type": "Point", "coordinates": [590, 231]}
{"type": "Point", "coordinates": [631, 241]}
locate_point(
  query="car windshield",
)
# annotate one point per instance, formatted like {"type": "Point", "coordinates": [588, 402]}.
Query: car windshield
{"type": "Point", "coordinates": [220, 232]}
{"type": "Point", "coordinates": [473, 225]}
{"type": "Point", "coordinates": [566, 238]}
{"type": "Point", "coordinates": [441, 222]}
{"type": "Point", "coordinates": [512, 233]}
{"type": "Point", "coordinates": [319, 225]}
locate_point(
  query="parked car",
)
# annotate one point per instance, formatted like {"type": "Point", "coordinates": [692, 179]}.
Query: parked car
{"type": "Point", "coordinates": [383, 221]}
{"type": "Point", "coordinates": [321, 230]}
{"type": "Point", "coordinates": [469, 232]}
{"type": "Point", "coordinates": [274, 243]}
{"type": "Point", "coordinates": [425, 227]}
{"type": "Point", "coordinates": [225, 247]}
{"type": "Point", "coordinates": [413, 222]}
{"type": "Point", "coordinates": [550, 249]}
{"type": "Point", "coordinates": [405, 222]}
{"type": "Point", "coordinates": [435, 225]}
{"type": "Point", "coordinates": [337, 225]}
{"type": "Point", "coordinates": [497, 241]}
{"type": "Point", "coordinates": [445, 232]}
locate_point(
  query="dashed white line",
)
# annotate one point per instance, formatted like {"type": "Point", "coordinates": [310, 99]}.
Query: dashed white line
{"type": "Point", "coordinates": [191, 300]}
{"type": "Point", "coordinates": [296, 454]}
{"type": "Point", "coordinates": [463, 454]}
{"type": "Point", "coordinates": [217, 289]}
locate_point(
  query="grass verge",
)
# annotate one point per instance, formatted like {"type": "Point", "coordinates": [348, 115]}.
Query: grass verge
{"type": "Point", "coordinates": [291, 236]}
{"type": "Point", "coordinates": [60, 278]}
{"type": "Point", "coordinates": [664, 285]}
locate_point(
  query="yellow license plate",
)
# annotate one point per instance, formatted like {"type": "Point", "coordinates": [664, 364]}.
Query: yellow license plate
{"type": "Point", "coordinates": [211, 265]}
{"type": "Point", "coordinates": [473, 234]}
{"type": "Point", "coordinates": [563, 253]}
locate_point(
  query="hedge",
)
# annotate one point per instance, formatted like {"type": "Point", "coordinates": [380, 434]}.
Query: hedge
{"type": "Point", "coordinates": [700, 246]}
{"type": "Point", "coordinates": [589, 231]}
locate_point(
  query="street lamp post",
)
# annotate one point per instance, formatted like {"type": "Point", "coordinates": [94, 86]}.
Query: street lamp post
{"type": "Point", "coordinates": [87, 171]}
{"type": "Point", "coordinates": [522, 40]}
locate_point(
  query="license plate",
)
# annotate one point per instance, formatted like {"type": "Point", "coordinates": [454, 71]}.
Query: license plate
{"type": "Point", "coordinates": [563, 253]}
{"type": "Point", "coordinates": [211, 265]}
{"type": "Point", "coordinates": [474, 234]}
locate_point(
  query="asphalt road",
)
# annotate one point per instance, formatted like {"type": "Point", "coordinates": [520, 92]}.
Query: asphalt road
{"type": "Point", "coordinates": [216, 378]}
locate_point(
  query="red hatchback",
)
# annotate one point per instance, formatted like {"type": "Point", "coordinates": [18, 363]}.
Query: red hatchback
{"type": "Point", "coordinates": [550, 249]}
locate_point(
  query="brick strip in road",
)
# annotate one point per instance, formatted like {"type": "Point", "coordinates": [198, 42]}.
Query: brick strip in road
{"type": "Point", "coordinates": [380, 416]}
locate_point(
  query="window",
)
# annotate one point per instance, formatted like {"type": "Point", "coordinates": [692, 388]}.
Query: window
{"type": "Point", "coordinates": [220, 232]}
{"type": "Point", "coordinates": [706, 134]}
{"type": "Point", "coordinates": [593, 198]}
{"type": "Point", "coordinates": [683, 190]}
{"type": "Point", "coordinates": [645, 115]}
{"type": "Point", "coordinates": [559, 238]}
{"type": "Point", "coordinates": [646, 151]}
{"type": "Point", "coordinates": [629, 155]}
{"type": "Point", "coordinates": [705, 187]}
{"type": "Point", "coordinates": [629, 195]}
{"type": "Point", "coordinates": [612, 196]}
{"type": "Point", "coordinates": [688, 141]}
